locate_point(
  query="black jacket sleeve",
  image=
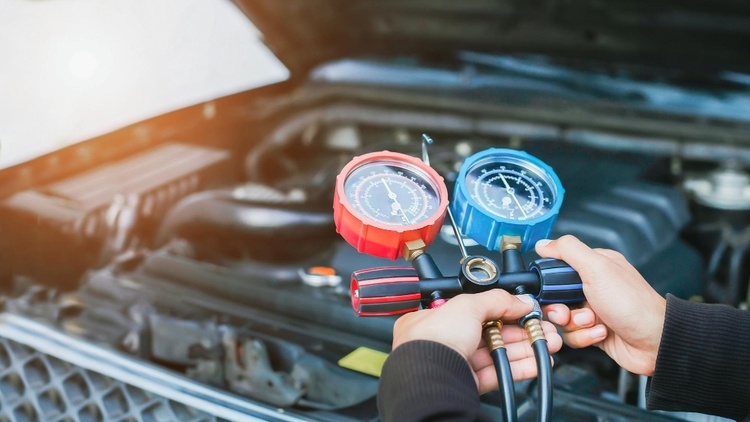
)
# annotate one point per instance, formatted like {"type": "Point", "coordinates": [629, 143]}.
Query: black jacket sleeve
{"type": "Point", "coordinates": [703, 364]}
{"type": "Point", "coordinates": [427, 381]}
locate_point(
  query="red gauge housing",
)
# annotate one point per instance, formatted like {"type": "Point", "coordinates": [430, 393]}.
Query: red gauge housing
{"type": "Point", "coordinates": [378, 237]}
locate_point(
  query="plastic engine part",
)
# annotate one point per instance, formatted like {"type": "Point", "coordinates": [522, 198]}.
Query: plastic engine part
{"type": "Point", "coordinates": [36, 386]}
{"type": "Point", "coordinates": [56, 232]}
{"type": "Point", "coordinates": [638, 220]}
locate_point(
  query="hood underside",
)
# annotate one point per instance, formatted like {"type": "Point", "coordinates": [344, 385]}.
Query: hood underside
{"type": "Point", "coordinates": [695, 33]}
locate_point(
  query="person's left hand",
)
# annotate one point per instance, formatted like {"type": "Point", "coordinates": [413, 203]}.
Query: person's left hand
{"type": "Point", "coordinates": [458, 325]}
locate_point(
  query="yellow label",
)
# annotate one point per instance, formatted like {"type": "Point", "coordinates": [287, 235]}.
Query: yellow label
{"type": "Point", "coordinates": [364, 360]}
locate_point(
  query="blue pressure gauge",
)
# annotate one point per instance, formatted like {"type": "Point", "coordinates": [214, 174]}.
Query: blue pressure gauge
{"type": "Point", "coordinates": [506, 192]}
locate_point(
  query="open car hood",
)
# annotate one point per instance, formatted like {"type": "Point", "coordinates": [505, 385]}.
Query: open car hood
{"type": "Point", "coordinates": [697, 33]}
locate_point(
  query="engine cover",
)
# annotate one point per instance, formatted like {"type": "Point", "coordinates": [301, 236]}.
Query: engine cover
{"type": "Point", "coordinates": [65, 225]}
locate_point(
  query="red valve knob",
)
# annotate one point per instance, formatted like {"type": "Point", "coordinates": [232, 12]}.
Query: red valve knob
{"type": "Point", "coordinates": [385, 291]}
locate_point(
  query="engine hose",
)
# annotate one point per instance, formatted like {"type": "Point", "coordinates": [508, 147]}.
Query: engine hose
{"type": "Point", "coordinates": [164, 268]}
{"type": "Point", "coordinates": [223, 210]}
{"type": "Point", "coordinates": [499, 355]}
{"type": "Point", "coordinates": [544, 379]}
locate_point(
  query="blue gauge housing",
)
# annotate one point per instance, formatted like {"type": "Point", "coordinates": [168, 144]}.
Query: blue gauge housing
{"type": "Point", "coordinates": [506, 192]}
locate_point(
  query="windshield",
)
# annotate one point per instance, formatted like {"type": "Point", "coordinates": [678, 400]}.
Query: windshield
{"type": "Point", "coordinates": [74, 69]}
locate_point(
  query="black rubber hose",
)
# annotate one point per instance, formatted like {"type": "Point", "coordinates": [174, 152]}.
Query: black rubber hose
{"type": "Point", "coordinates": [544, 380]}
{"type": "Point", "coordinates": [163, 268]}
{"type": "Point", "coordinates": [220, 209]}
{"type": "Point", "coordinates": [505, 383]}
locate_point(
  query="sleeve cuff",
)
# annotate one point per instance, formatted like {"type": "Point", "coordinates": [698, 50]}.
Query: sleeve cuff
{"type": "Point", "coordinates": [424, 380]}
{"type": "Point", "coordinates": [703, 364]}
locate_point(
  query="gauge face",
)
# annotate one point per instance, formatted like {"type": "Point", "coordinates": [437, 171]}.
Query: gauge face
{"type": "Point", "coordinates": [510, 188]}
{"type": "Point", "coordinates": [392, 193]}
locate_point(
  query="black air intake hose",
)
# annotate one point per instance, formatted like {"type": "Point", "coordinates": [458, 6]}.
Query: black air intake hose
{"type": "Point", "coordinates": [219, 223]}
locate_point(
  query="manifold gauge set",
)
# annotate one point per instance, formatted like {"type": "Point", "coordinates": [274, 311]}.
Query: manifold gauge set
{"type": "Point", "coordinates": [392, 205]}
{"type": "Point", "coordinates": [385, 199]}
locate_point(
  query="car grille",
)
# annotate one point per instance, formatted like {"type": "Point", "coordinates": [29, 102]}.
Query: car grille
{"type": "Point", "coordinates": [36, 386]}
{"type": "Point", "coordinates": [46, 375]}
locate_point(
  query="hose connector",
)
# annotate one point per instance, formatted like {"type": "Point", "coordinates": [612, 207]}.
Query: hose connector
{"type": "Point", "coordinates": [532, 322]}
{"type": "Point", "coordinates": [492, 336]}
{"type": "Point", "coordinates": [536, 312]}
{"type": "Point", "coordinates": [534, 330]}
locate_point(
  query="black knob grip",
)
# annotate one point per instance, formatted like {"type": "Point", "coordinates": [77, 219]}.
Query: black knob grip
{"type": "Point", "coordinates": [385, 291]}
{"type": "Point", "coordinates": [558, 282]}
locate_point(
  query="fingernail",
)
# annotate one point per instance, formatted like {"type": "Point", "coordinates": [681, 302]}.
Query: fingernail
{"type": "Point", "coordinates": [525, 299]}
{"type": "Point", "coordinates": [542, 242]}
{"type": "Point", "coordinates": [582, 319]}
{"type": "Point", "coordinates": [598, 333]}
{"type": "Point", "coordinates": [552, 316]}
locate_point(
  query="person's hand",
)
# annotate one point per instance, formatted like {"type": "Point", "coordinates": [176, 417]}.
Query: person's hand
{"type": "Point", "coordinates": [623, 315]}
{"type": "Point", "coordinates": [458, 325]}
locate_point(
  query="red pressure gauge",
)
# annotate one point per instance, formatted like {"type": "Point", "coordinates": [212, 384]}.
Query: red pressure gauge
{"type": "Point", "coordinates": [384, 199]}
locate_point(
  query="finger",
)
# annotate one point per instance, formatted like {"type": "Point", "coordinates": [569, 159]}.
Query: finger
{"type": "Point", "coordinates": [567, 246]}
{"type": "Point", "coordinates": [579, 319]}
{"type": "Point", "coordinates": [517, 343]}
{"type": "Point", "coordinates": [521, 369]}
{"type": "Point", "coordinates": [493, 304]}
{"type": "Point", "coordinates": [548, 327]}
{"type": "Point", "coordinates": [554, 342]}
{"type": "Point", "coordinates": [514, 333]}
{"type": "Point", "coordinates": [518, 349]}
{"type": "Point", "coordinates": [523, 349]}
{"type": "Point", "coordinates": [585, 337]}
{"type": "Point", "coordinates": [487, 379]}
{"type": "Point", "coordinates": [557, 313]}
{"type": "Point", "coordinates": [480, 359]}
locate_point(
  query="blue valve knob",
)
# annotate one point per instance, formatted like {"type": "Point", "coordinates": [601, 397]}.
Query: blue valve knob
{"type": "Point", "coordinates": [558, 282]}
{"type": "Point", "coordinates": [506, 192]}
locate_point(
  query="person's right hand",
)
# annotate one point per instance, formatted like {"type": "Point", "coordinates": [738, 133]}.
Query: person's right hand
{"type": "Point", "coordinates": [458, 325]}
{"type": "Point", "coordinates": [623, 315]}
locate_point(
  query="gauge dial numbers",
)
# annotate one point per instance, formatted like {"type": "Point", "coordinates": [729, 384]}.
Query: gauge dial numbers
{"type": "Point", "coordinates": [505, 192]}
{"type": "Point", "coordinates": [511, 190]}
{"type": "Point", "coordinates": [384, 199]}
{"type": "Point", "coordinates": [391, 194]}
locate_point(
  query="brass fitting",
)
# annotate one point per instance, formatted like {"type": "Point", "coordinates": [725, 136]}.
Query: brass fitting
{"type": "Point", "coordinates": [492, 336]}
{"type": "Point", "coordinates": [480, 269]}
{"type": "Point", "coordinates": [510, 242]}
{"type": "Point", "coordinates": [534, 329]}
{"type": "Point", "coordinates": [414, 248]}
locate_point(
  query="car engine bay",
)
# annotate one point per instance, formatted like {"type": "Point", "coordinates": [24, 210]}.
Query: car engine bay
{"type": "Point", "coordinates": [206, 246]}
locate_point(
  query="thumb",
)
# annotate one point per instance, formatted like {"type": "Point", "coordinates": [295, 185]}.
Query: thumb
{"type": "Point", "coordinates": [568, 248]}
{"type": "Point", "coordinates": [574, 252]}
{"type": "Point", "coordinates": [494, 304]}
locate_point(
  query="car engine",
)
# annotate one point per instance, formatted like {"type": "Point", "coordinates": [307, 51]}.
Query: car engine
{"type": "Point", "coordinates": [197, 274]}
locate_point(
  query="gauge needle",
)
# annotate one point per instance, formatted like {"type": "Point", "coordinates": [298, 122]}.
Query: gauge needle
{"type": "Point", "coordinates": [512, 193]}
{"type": "Point", "coordinates": [390, 192]}
{"type": "Point", "coordinates": [396, 204]}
